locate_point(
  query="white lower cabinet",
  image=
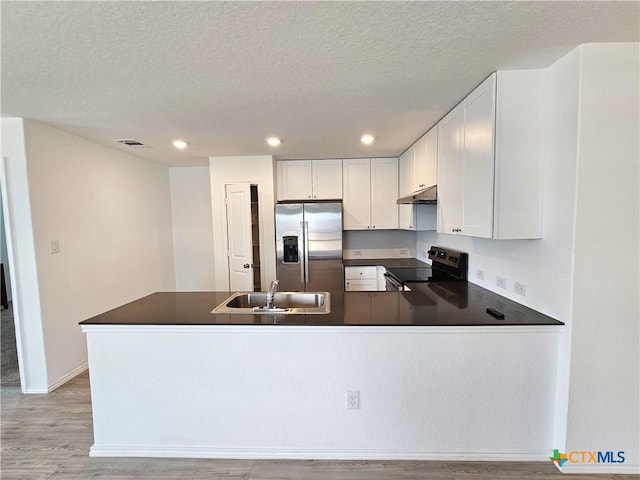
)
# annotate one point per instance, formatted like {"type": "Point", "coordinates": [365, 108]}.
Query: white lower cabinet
{"type": "Point", "coordinates": [366, 279]}
{"type": "Point", "coordinates": [490, 157]}
{"type": "Point", "coordinates": [370, 191]}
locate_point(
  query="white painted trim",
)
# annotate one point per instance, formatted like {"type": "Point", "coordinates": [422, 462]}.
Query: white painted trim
{"type": "Point", "coordinates": [346, 454]}
{"type": "Point", "coordinates": [8, 227]}
{"type": "Point", "coordinates": [35, 390]}
{"type": "Point", "coordinates": [298, 329]}
{"type": "Point", "coordinates": [590, 468]}
{"type": "Point", "coordinates": [73, 373]}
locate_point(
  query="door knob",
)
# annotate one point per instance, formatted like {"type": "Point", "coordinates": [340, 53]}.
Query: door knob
{"type": "Point", "coordinates": [247, 265]}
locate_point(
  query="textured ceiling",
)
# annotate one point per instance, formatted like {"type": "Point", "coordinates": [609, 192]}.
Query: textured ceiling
{"type": "Point", "coordinates": [224, 75]}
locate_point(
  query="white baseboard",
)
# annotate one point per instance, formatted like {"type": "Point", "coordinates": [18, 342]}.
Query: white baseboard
{"type": "Point", "coordinates": [281, 454]}
{"type": "Point", "coordinates": [35, 390]}
{"type": "Point", "coordinates": [597, 468]}
{"type": "Point", "coordinates": [73, 373]}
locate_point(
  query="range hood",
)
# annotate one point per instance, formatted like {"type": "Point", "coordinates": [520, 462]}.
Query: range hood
{"type": "Point", "coordinates": [426, 196]}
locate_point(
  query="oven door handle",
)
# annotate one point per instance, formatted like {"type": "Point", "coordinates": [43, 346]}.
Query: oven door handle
{"type": "Point", "coordinates": [393, 281]}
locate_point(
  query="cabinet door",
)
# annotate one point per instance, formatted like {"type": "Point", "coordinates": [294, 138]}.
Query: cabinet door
{"type": "Point", "coordinates": [356, 178]}
{"type": "Point", "coordinates": [430, 173]}
{"type": "Point", "coordinates": [406, 213]}
{"type": "Point", "coordinates": [327, 179]}
{"type": "Point", "coordinates": [384, 308]}
{"type": "Point", "coordinates": [294, 180]}
{"type": "Point", "coordinates": [407, 217]}
{"type": "Point", "coordinates": [478, 171]}
{"type": "Point", "coordinates": [420, 164]}
{"type": "Point", "coordinates": [384, 193]}
{"type": "Point", "coordinates": [357, 308]}
{"type": "Point", "coordinates": [450, 160]}
{"type": "Point", "coordinates": [405, 173]}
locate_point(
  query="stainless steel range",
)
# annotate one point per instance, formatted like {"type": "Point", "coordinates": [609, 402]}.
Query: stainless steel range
{"type": "Point", "coordinates": [447, 265]}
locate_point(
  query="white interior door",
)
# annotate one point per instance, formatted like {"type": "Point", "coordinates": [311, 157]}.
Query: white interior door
{"type": "Point", "coordinates": [239, 236]}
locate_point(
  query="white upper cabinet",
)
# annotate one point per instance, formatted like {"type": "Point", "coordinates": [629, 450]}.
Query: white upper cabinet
{"type": "Point", "coordinates": [309, 179]}
{"type": "Point", "coordinates": [327, 179]}
{"type": "Point", "coordinates": [490, 155]}
{"type": "Point", "coordinates": [370, 188]}
{"type": "Point", "coordinates": [294, 180]}
{"type": "Point", "coordinates": [419, 164]}
{"type": "Point", "coordinates": [426, 160]}
{"type": "Point", "coordinates": [418, 167]}
{"type": "Point", "coordinates": [384, 193]}
{"type": "Point", "coordinates": [450, 166]}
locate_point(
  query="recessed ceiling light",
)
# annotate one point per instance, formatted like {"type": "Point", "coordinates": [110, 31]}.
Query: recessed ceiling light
{"type": "Point", "coordinates": [180, 144]}
{"type": "Point", "coordinates": [367, 139]}
{"type": "Point", "coordinates": [273, 141]}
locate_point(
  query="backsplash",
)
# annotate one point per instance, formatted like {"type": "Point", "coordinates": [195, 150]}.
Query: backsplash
{"type": "Point", "coordinates": [378, 244]}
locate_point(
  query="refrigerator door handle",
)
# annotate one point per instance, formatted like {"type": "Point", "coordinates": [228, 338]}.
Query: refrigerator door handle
{"type": "Point", "coordinates": [306, 253]}
{"type": "Point", "coordinates": [303, 245]}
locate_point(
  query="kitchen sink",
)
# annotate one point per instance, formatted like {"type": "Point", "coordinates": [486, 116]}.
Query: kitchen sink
{"type": "Point", "coordinates": [300, 303]}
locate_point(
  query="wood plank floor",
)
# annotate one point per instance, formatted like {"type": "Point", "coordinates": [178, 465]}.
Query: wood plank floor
{"type": "Point", "coordinates": [48, 436]}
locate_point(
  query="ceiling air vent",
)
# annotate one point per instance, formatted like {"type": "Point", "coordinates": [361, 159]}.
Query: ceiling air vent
{"type": "Point", "coordinates": [130, 142]}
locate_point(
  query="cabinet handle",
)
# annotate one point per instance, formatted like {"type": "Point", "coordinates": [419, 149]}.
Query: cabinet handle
{"type": "Point", "coordinates": [374, 226]}
{"type": "Point", "coordinates": [309, 196]}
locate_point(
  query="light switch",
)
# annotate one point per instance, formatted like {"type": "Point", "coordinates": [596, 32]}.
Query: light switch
{"type": "Point", "coordinates": [54, 246]}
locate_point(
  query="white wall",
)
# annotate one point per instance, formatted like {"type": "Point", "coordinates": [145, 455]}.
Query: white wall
{"type": "Point", "coordinates": [258, 170]}
{"type": "Point", "coordinates": [111, 213]}
{"type": "Point", "coordinates": [604, 396]}
{"type": "Point", "coordinates": [192, 228]}
{"type": "Point", "coordinates": [26, 295]}
{"type": "Point", "coordinates": [280, 392]}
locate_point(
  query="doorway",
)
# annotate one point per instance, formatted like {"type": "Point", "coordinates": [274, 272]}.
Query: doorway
{"type": "Point", "coordinates": [243, 236]}
{"type": "Point", "coordinates": [9, 370]}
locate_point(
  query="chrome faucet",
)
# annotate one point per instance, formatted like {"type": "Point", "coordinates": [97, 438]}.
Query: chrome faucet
{"type": "Point", "coordinates": [273, 288]}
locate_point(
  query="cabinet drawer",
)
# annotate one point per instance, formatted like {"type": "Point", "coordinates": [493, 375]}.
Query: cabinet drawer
{"type": "Point", "coordinates": [360, 285]}
{"type": "Point", "coordinates": [360, 273]}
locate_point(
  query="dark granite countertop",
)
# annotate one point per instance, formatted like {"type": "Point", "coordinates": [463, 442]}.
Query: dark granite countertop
{"type": "Point", "coordinates": [428, 304]}
{"type": "Point", "coordinates": [385, 262]}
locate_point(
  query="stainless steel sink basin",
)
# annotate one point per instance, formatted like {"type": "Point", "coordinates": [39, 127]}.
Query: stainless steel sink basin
{"type": "Point", "coordinates": [284, 303]}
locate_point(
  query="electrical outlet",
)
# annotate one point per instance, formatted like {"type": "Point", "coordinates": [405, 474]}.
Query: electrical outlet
{"type": "Point", "coordinates": [353, 399]}
{"type": "Point", "coordinates": [54, 246]}
{"type": "Point", "coordinates": [480, 274]}
{"type": "Point", "coordinates": [501, 282]}
{"type": "Point", "coordinates": [404, 251]}
{"type": "Point", "coordinates": [357, 253]}
{"type": "Point", "coordinates": [520, 288]}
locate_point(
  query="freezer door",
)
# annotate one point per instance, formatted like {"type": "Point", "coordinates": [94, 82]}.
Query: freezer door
{"type": "Point", "coordinates": [290, 247]}
{"type": "Point", "coordinates": [323, 235]}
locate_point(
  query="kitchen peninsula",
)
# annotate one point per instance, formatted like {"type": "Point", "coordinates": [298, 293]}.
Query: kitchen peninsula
{"type": "Point", "coordinates": [436, 378]}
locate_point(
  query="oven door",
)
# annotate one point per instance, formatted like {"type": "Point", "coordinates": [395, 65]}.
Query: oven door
{"type": "Point", "coordinates": [392, 284]}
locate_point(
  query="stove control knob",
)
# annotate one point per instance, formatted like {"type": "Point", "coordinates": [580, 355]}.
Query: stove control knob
{"type": "Point", "coordinates": [453, 259]}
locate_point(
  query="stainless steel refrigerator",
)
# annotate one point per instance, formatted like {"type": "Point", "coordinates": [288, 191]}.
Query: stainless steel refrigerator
{"type": "Point", "coordinates": [309, 246]}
